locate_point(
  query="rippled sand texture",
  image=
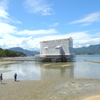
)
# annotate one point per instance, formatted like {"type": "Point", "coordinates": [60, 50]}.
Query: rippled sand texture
{"type": "Point", "coordinates": [79, 89]}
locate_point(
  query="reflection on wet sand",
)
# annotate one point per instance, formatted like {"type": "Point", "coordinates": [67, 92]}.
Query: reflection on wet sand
{"type": "Point", "coordinates": [57, 70]}
{"type": "Point", "coordinates": [46, 71]}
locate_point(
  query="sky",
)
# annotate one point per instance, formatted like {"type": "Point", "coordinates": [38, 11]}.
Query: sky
{"type": "Point", "coordinates": [24, 23]}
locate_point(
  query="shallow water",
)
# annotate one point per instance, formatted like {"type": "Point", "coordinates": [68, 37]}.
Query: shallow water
{"type": "Point", "coordinates": [45, 71]}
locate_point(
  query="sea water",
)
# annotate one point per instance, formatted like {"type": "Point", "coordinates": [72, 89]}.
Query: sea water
{"type": "Point", "coordinates": [46, 71]}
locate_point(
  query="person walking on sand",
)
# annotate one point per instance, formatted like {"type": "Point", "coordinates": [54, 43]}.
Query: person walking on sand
{"type": "Point", "coordinates": [1, 78]}
{"type": "Point", "coordinates": [15, 77]}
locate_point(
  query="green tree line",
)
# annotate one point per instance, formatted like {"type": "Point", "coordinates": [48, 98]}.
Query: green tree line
{"type": "Point", "coordinates": [9, 53]}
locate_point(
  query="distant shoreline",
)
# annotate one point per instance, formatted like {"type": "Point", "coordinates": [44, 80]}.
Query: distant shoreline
{"type": "Point", "coordinates": [92, 61]}
{"type": "Point", "coordinates": [87, 54]}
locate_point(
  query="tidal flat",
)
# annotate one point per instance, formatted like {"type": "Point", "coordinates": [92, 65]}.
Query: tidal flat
{"type": "Point", "coordinates": [73, 89]}
{"type": "Point", "coordinates": [50, 81]}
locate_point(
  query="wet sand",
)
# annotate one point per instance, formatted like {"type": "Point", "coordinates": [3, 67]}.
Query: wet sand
{"type": "Point", "coordinates": [73, 89]}
{"type": "Point", "coordinates": [61, 89]}
{"type": "Point", "coordinates": [4, 63]}
{"type": "Point", "coordinates": [11, 60]}
{"type": "Point", "coordinates": [92, 61]}
{"type": "Point", "coordinates": [96, 97]}
{"type": "Point", "coordinates": [6, 60]}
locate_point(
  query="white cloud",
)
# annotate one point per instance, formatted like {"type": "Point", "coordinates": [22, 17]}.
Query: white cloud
{"type": "Point", "coordinates": [6, 29]}
{"type": "Point", "coordinates": [80, 39]}
{"type": "Point", "coordinates": [93, 17]}
{"type": "Point", "coordinates": [4, 15]}
{"type": "Point", "coordinates": [37, 32]}
{"type": "Point", "coordinates": [5, 18]}
{"type": "Point", "coordinates": [10, 36]}
{"type": "Point", "coordinates": [86, 24]}
{"type": "Point", "coordinates": [54, 25]}
{"type": "Point", "coordinates": [39, 6]}
{"type": "Point", "coordinates": [4, 4]}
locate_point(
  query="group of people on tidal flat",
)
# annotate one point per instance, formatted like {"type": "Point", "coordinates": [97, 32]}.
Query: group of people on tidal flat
{"type": "Point", "coordinates": [15, 77]}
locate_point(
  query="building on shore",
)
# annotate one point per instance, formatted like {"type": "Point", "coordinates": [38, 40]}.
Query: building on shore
{"type": "Point", "coordinates": [58, 50]}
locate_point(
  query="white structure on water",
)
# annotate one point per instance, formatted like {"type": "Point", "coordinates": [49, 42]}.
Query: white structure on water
{"type": "Point", "coordinates": [57, 47]}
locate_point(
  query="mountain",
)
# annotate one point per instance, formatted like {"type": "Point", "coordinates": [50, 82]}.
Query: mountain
{"type": "Point", "coordinates": [92, 49]}
{"type": "Point", "coordinates": [27, 52]}
{"type": "Point", "coordinates": [10, 53]}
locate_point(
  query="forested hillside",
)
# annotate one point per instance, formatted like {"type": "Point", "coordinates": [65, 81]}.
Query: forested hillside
{"type": "Point", "coordinates": [27, 52]}
{"type": "Point", "coordinates": [92, 49]}
{"type": "Point", "coordinates": [9, 53]}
